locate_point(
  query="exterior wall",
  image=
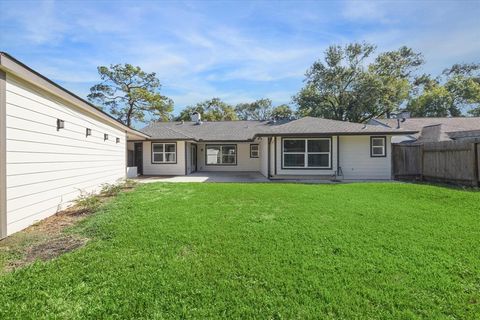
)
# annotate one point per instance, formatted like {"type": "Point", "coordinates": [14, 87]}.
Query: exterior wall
{"type": "Point", "coordinates": [356, 162]}
{"type": "Point", "coordinates": [160, 169]}
{"type": "Point", "coordinates": [244, 162]}
{"type": "Point", "coordinates": [304, 172]}
{"type": "Point", "coordinates": [46, 168]}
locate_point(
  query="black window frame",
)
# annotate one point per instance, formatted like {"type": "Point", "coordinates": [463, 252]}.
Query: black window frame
{"type": "Point", "coordinates": [258, 150]}
{"type": "Point", "coordinates": [306, 153]}
{"type": "Point", "coordinates": [384, 138]}
{"type": "Point", "coordinates": [221, 145]}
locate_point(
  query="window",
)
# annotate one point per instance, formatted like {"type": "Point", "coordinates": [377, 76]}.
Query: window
{"type": "Point", "coordinates": [117, 140]}
{"type": "Point", "coordinates": [378, 146]}
{"type": "Point", "coordinates": [254, 151]}
{"type": "Point", "coordinates": [307, 153]}
{"type": "Point", "coordinates": [164, 153]}
{"type": "Point", "coordinates": [105, 137]}
{"type": "Point", "coordinates": [88, 132]}
{"type": "Point", "coordinates": [221, 154]}
{"type": "Point", "coordinates": [60, 124]}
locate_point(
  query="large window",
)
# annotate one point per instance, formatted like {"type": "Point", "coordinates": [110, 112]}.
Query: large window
{"type": "Point", "coordinates": [378, 146]}
{"type": "Point", "coordinates": [307, 153]}
{"type": "Point", "coordinates": [221, 154]}
{"type": "Point", "coordinates": [164, 152]}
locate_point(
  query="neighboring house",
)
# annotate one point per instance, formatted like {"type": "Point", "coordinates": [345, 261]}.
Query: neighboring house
{"type": "Point", "coordinates": [304, 148]}
{"type": "Point", "coordinates": [433, 129]}
{"type": "Point", "coordinates": [52, 144]}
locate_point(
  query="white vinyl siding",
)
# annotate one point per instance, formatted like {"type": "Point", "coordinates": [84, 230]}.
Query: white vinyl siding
{"type": "Point", "coordinates": [357, 163]}
{"type": "Point", "coordinates": [47, 167]}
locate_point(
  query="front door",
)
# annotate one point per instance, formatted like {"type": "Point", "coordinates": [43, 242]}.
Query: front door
{"type": "Point", "coordinates": [138, 157]}
{"type": "Point", "coordinates": [194, 158]}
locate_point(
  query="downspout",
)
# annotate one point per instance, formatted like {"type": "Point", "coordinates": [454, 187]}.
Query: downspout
{"type": "Point", "coordinates": [3, 154]}
{"type": "Point", "coordinates": [339, 169]}
{"type": "Point", "coordinates": [268, 157]}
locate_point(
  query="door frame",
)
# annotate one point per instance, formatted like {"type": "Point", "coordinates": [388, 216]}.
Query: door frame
{"type": "Point", "coordinates": [193, 158]}
{"type": "Point", "coordinates": [136, 159]}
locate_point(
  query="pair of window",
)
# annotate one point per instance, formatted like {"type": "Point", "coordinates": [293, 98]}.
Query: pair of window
{"type": "Point", "coordinates": [164, 152]}
{"type": "Point", "coordinates": [307, 153]}
{"type": "Point", "coordinates": [221, 154]}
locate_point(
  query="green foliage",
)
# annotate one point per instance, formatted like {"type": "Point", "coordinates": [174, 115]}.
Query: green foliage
{"type": "Point", "coordinates": [87, 202]}
{"type": "Point", "coordinates": [457, 90]}
{"type": "Point", "coordinates": [282, 111]}
{"type": "Point", "coordinates": [344, 86]}
{"type": "Point", "coordinates": [129, 93]}
{"type": "Point", "coordinates": [264, 251]}
{"type": "Point", "coordinates": [111, 190]}
{"type": "Point", "coordinates": [210, 110]}
{"type": "Point", "coordinates": [258, 110]}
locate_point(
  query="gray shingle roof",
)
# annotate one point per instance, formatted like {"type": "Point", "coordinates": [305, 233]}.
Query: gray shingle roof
{"type": "Point", "coordinates": [447, 124]}
{"type": "Point", "coordinates": [248, 130]}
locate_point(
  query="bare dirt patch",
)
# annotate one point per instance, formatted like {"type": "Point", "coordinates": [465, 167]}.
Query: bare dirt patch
{"type": "Point", "coordinates": [48, 238]}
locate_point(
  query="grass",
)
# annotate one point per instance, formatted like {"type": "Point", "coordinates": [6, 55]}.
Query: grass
{"type": "Point", "coordinates": [267, 251]}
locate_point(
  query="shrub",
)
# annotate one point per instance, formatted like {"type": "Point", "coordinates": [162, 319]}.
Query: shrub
{"type": "Point", "coordinates": [87, 202]}
{"type": "Point", "coordinates": [110, 190]}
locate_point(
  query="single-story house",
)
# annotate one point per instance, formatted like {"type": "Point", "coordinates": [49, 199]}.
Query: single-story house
{"type": "Point", "coordinates": [54, 144]}
{"type": "Point", "coordinates": [433, 129]}
{"type": "Point", "coordinates": [302, 148]}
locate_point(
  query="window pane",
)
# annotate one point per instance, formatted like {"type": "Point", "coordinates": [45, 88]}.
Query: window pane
{"type": "Point", "coordinates": [318, 160]}
{"type": "Point", "coordinates": [157, 157]}
{"type": "Point", "coordinates": [254, 154]}
{"type": "Point", "coordinates": [378, 151]}
{"type": "Point", "coordinates": [294, 145]}
{"type": "Point", "coordinates": [228, 150]}
{"type": "Point", "coordinates": [294, 160]}
{"type": "Point", "coordinates": [378, 142]}
{"type": "Point", "coordinates": [213, 155]}
{"type": "Point", "coordinates": [228, 159]}
{"type": "Point", "coordinates": [254, 147]}
{"type": "Point", "coordinates": [158, 147]}
{"type": "Point", "coordinates": [318, 145]}
{"type": "Point", "coordinates": [170, 157]}
{"type": "Point", "coordinates": [170, 147]}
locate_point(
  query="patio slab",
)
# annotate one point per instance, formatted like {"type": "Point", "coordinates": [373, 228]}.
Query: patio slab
{"type": "Point", "coordinates": [220, 176]}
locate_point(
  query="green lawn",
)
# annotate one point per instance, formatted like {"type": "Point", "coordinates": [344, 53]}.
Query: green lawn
{"type": "Point", "coordinates": [280, 251]}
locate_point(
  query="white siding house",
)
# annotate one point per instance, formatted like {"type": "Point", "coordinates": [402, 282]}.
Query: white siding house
{"type": "Point", "coordinates": [54, 146]}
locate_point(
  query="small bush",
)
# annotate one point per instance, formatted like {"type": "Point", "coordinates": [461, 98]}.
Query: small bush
{"type": "Point", "coordinates": [87, 202]}
{"type": "Point", "coordinates": [129, 183]}
{"type": "Point", "coordinates": [110, 190]}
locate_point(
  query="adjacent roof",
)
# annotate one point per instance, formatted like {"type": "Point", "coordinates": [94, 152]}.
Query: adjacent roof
{"type": "Point", "coordinates": [248, 130]}
{"type": "Point", "coordinates": [14, 66]}
{"type": "Point", "coordinates": [435, 129]}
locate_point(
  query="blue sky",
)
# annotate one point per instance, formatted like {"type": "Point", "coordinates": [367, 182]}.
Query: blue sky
{"type": "Point", "coordinates": [236, 50]}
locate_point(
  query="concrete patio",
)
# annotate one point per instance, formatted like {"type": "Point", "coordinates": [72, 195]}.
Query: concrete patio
{"type": "Point", "coordinates": [219, 176]}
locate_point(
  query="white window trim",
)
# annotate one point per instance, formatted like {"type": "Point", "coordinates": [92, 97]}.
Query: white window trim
{"type": "Point", "coordinates": [383, 146]}
{"type": "Point", "coordinates": [221, 154]}
{"type": "Point", "coordinates": [164, 152]}
{"type": "Point", "coordinates": [306, 153]}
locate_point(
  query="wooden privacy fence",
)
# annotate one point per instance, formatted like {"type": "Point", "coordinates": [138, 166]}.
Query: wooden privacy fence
{"type": "Point", "coordinates": [455, 162]}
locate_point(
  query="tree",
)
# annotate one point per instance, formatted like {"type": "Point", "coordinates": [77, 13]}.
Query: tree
{"type": "Point", "coordinates": [210, 110]}
{"type": "Point", "coordinates": [258, 110]}
{"type": "Point", "coordinates": [129, 93]}
{"type": "Point", "coordinates": [344, 87]}
{"type": "Point", "coordinates": [282, 111]}
{"type": "Point", "coordinates": [455, 91]}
